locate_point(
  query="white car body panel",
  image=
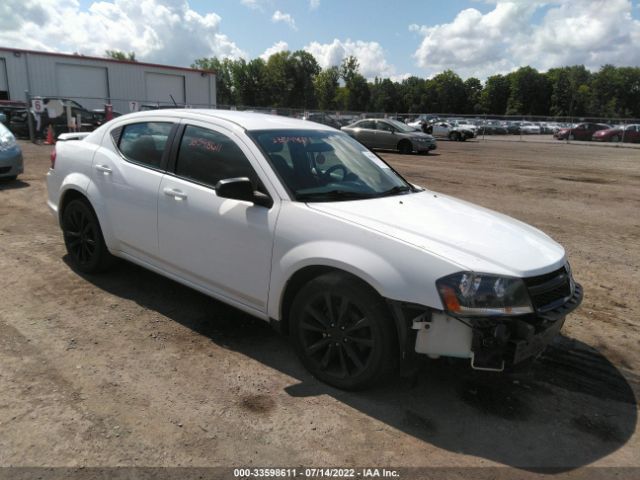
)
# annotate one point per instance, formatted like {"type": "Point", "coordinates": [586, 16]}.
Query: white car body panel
{"type": "Point", "coordinates": [245, 254]}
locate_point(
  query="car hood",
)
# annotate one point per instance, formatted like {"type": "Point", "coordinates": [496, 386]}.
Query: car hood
{"type": "Point", "coordinates": [469, 236]}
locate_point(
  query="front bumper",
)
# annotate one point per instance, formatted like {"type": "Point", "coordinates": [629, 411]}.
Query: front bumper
{"type": "Point", "coordinates": [492, 343]}
{"type": "Point", "coordinates": [425, 147]}
{"type": "Point", "coordinates": [11, 162]}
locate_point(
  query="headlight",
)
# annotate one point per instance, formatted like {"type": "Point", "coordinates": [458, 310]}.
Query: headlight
{"type": "Point", "coordinates": [7, 141]}
{"type": "Point", "coordinates": [478, 294]}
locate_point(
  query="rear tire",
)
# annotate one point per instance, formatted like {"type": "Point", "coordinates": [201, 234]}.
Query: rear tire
{"type": "Point", "coordinates": [10, 178]}
{"type": "Point", "coordinates": [455, 136]}
{"type": "Point", "coordinates": [83, 238]}
{"type": "Point", "coordinates": [342, 332]}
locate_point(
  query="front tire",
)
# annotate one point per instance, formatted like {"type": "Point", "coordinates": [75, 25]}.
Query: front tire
{"type": "Point", "coordinates": [615, 139]}
{"type": "Point", "coordinates": [342, 332]}
{"type": "Point", "coordinates": [405, 147]}
{"type": "Point", "coordinates": [455, 136]}
{"type": "Point", "coordinates": [83, 238]}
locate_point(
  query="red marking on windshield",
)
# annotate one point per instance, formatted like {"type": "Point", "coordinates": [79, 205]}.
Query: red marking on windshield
{"type": "Point", "coordinates": [283, 140]}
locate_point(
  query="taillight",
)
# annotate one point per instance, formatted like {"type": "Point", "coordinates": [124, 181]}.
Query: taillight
{"type": "Point", "coordinates": [53, 157]}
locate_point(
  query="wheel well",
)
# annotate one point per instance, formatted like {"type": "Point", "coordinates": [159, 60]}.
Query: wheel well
{"type": "Point", "coordinates": [404, 141]}
{"type": "Point", "coordinates": [299, 280]}
{"type": "Point", "coordinates": [67, 197]}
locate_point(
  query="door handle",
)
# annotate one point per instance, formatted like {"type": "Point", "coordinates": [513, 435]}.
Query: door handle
{"type": "Point", "coordinates": [175, 193]}
{"type": "Point", "coordinates": [104, 169]}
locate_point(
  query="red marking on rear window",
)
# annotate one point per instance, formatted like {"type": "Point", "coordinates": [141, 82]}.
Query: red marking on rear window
{"type": "Point", "coordinates": [205, 144]}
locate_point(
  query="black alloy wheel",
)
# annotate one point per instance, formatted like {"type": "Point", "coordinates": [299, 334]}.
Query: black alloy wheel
{"type": "Point", "coordinates": [83, 237]}
{"type": "Point", "coordinates": [341, 332]}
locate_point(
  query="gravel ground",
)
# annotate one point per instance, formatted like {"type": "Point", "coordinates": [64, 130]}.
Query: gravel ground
{"type": "Point", "coordinates": [129, 368]}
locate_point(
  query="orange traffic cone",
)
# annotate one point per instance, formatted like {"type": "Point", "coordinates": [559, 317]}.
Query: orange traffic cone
{"type": "Point", "coordinates": [50, 140]}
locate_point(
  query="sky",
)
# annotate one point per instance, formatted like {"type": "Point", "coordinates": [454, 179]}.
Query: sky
{"type": "Point", "coordinates": [390, 38]}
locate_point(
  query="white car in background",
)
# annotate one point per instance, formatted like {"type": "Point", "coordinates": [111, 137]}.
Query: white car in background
{"type": "Point", "coordinates": [529, 128]}
{"type": "Point", "coordinates": [300, 225]}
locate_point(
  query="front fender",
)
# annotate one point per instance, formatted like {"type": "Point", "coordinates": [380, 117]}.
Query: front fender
{"type": "Point", "coordinates": [350, 258]}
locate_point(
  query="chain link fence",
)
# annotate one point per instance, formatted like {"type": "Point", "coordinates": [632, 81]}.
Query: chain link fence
{"type": "Point", "coordinates": [87, 113]}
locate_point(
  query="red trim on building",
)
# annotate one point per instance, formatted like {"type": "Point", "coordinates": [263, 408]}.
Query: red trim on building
{"type": "Point", "coordinates": [101, 59]}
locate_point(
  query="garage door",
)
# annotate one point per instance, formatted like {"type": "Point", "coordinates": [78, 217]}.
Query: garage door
{"type": "Point", "coordinates": [84, 84]}
{"type": "Point", "coordinates": [4, 87]}
{"type": "Point", "coordinates": [161, 87]}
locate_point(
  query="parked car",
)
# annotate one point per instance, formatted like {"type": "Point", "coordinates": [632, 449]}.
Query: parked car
{"type": "Point", "coordinates": [300, 225]}
{"type": "Point", "coordinates": [628, 133]}
{"type": "Point", "coordinates": [491, 127]}
{"type": "Point", "coordinates": [580, 131]}
{"type": "Point", "coordinates": [528, 128]}
{"type": "Point", "coordinates": [442, 129]}
{"type": "Point", "coordinates": [391, 135]}
{"type": "Point", "coordinates": [423, 120]}
{"type": "Point", "coordinates": [11, 164]}
{"type": "Point", "coordinates": [464, 125]}
{"type": "Point", "coordinates": [324, 119]}
{"type": "Point", "coordinates": [18, 123]}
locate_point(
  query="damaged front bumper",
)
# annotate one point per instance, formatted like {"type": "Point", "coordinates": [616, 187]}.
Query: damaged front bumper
{"type": "Point", "coordinates": [491, 343]}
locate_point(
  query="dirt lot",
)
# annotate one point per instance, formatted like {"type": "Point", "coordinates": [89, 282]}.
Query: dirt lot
{"type": "Point", "coordinates": [129, 368]}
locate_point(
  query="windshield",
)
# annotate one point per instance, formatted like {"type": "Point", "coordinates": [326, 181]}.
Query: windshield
{"type": "Point", "coordinates": [325, 166]}
{"type": "Point", "coordinates": [403, 127]}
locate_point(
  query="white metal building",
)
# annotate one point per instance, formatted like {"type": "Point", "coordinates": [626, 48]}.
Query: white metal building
{"type": "Point", "coordinates": [94, 81]}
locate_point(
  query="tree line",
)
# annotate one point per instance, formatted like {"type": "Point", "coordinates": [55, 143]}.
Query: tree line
{"type": "Point", "coordinates": [296, 80]}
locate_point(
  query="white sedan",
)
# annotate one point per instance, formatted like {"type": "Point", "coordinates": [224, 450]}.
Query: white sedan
{"type": "Point", "coordinates": [302, 226]}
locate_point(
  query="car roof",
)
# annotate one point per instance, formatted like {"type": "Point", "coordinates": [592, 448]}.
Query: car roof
{"type": "Point", "coordinates": [246, 120]}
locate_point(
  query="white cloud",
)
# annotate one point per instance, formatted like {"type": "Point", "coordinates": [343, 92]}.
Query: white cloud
{"type": "Point", "coordinates": [314, 4]}
{"type": "Point", "coordinates": [475, 44]}
{"type": "Point", "coordinates": [170, 29]}
{"type": "Point", "coordinates": [280, 46]}
{"type": "Point", "coordinates": [279, 16]}
{"type": "Point", "coordinates": [370, 55]}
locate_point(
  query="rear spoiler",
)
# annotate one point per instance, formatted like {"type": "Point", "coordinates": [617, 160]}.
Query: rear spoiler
{"type": "Point", "coordinates": [72, 136]}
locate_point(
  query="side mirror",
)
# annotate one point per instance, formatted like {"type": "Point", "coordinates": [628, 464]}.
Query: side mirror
{"type": "Point", "coordinates": [241, 188]}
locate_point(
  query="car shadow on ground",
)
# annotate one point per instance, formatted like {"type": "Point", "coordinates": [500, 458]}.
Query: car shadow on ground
{"type": "Point", "coordinates": [572, 408]}
{"type": "Point", "coordinates": [12, 184]}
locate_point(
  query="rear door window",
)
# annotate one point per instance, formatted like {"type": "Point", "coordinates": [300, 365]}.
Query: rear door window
{"type": "Point", "coordinates": [144, 143]}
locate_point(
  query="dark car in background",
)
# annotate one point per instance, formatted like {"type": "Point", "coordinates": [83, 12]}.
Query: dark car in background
{"type": "Point", "coordinates": [627, 133]}
{"type": "Point", "coordinates": [18, 123]}
{"type": "Point", "coordinates": [390, 135]}
{"type": "Point", "coordinates": [580, 131]}
{"type": "Point", "coordinates": [324, 119]}
{"type": "Point", "coordinates": [492, 127]}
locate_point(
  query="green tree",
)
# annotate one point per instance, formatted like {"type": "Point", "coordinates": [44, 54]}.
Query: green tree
{"type": "Point", "coordinates": [280, 79]}
{"type": "Point", "coordinates": [529, 92]}
{"type": "Point", "coordinates": [248, 82]}
{"type": "Point", "coordinates": [357, 89]}
{"type": "Point", "coordinates": [326, 88]}
{"type": "Point", "coordinates": [304, 68]}
{"type": "Point", "coordinates": [447, 93]}
{"type": "Point", "coordinates": [385, 96]}
{"type": "Point", "coordinates": [120, 55]}
{"type": "Point", "coordinates": [411, 92]}
{"type": "Point", "coordinates": [495, 95]}
{"type": "Point", "coordinates": [224, 77]}
{"type": "Point", "coordinates": [473, 91]}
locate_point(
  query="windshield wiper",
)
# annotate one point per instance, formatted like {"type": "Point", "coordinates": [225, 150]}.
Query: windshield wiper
{"type": "Point", "coordinates": [332, 195]}
{"type": "Point", "coordinates": [396, 190]}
